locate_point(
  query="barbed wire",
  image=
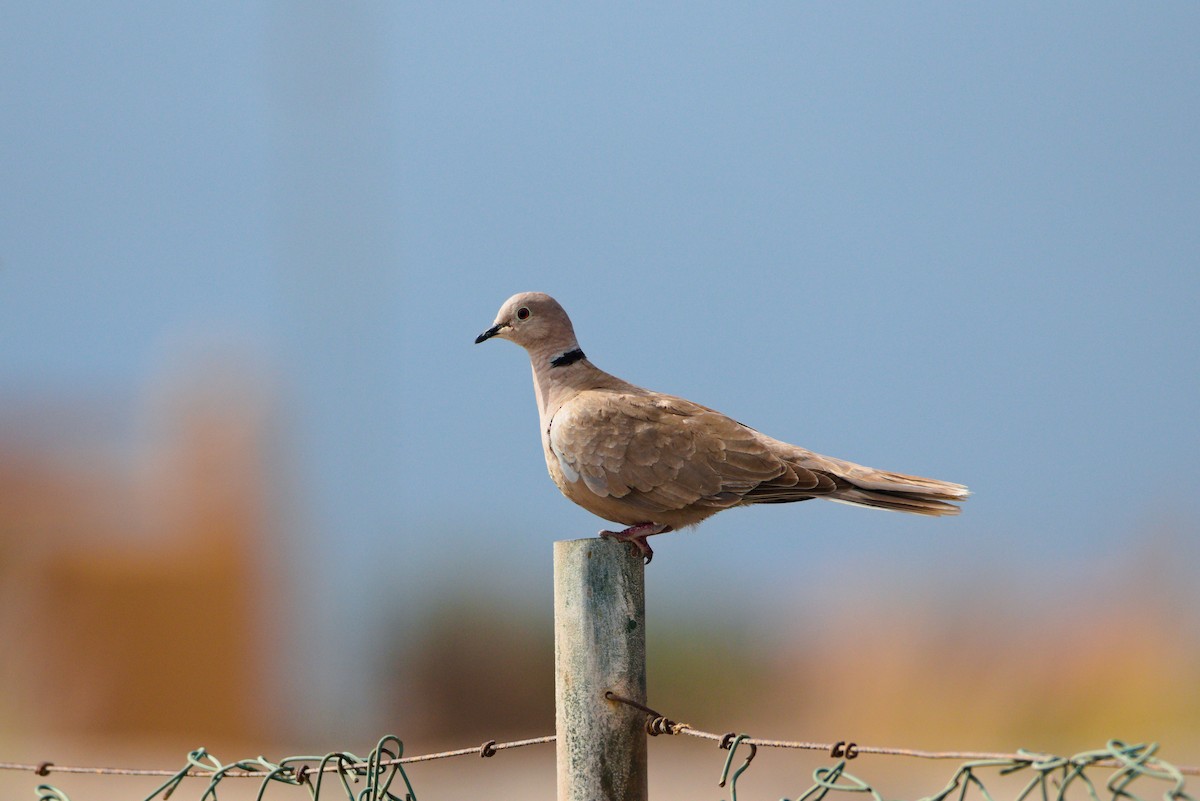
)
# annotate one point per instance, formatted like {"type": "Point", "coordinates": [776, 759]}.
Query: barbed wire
{"type": "Point", "coordinates": [660, 724]}
{"type": "Point", "coordinates": [382, 768]}
{"type": "Point", "coordinates": [246, 771]}
{"type": "Point", "coordinates": [1051, 775]}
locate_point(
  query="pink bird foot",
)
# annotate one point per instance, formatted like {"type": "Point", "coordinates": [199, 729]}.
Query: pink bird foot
{"type": "Point", "coordinates": [636, 535]}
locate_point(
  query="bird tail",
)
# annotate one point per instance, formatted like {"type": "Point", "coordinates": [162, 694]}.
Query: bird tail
{"type": "Point", "coordinates": [899, 492]}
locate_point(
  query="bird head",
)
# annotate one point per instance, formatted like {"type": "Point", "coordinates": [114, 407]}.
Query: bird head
{"type": "Point", "coordinates": [533, 320]}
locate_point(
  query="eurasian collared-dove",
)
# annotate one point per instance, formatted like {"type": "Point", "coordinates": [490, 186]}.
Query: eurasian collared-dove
{"type": "Point", "coordinates": [655, 462]}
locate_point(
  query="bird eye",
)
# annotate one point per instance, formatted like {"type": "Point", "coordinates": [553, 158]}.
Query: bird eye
{"type": "Point", "coordinates": [522, 313]}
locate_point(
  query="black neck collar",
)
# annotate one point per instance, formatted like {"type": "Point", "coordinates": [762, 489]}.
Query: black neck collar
{"type": "Point", "coordinates": [570, 357]}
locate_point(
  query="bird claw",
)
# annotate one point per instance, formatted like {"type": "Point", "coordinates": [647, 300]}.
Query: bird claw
{"type": "Point", "coordinates": [636, 536]}
{"type": "Point", "coordinates": [639, 543]}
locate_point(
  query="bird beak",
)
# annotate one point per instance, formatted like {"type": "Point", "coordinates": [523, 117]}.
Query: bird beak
{"type": "Point", "coordinates": [488, 334]}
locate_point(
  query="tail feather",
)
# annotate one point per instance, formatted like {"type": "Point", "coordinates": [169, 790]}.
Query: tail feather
{"type": "Point", "coordinates": [859, 485]}
{"type": "Point", "coordinates": [896, 502]}
{"type": "Point", "coordinates": [868, 478]}
{"type": "Point", "coordinates": [900, 492]}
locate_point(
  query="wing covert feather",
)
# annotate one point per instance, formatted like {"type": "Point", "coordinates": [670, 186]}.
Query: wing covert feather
{"type": "Point", "coordinates": [662, 451]}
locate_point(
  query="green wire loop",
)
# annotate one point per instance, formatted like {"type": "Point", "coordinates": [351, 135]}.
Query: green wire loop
{"type": "Point", "coordinates": [1051, 778]}
{"type": "Point", "coordinates": [733, 747]}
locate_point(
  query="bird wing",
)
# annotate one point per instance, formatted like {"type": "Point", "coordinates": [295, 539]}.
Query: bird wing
{"type": "Point", "coordinates": [664, 453]}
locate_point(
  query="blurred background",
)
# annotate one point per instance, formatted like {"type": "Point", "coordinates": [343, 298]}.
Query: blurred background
{"type": "Point", "coordinates": [260, 492]}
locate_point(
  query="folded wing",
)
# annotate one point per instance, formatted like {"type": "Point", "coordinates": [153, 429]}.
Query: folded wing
{"type": "Point", "coordinates": [665, 453]}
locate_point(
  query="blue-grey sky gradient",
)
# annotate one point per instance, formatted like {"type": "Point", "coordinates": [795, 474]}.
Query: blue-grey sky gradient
{"type": "Point", "coordinates": [961, 240]}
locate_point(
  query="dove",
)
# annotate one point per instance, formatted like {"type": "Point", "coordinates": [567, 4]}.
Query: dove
{"type": "Point", "coordinates": [656, 463]}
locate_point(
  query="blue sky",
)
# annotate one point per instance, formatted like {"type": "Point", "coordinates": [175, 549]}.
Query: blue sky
{"type": "Point", "coordinates": [960, 240]}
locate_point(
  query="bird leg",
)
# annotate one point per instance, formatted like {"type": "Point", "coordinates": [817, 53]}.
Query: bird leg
{"type": "Point", "coordinates": [637, 536]}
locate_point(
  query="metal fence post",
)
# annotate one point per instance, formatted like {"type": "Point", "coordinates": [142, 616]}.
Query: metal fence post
{"type": "Point", "coordinates": [599, 645]}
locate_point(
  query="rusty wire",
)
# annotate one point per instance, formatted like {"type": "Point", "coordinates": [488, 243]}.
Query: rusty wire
{"type": "Point", "coordinates": [382, 768]}
{"type": "Point", "coordinates": [660, 724]}
{"type": "Point", "coordinates": [1051, 775]}
{"type": "Point", "coordinates": [46, 768]}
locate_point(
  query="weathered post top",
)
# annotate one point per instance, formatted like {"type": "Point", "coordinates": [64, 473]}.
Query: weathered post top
{"type": "Point", "coordinates": [599, 645]}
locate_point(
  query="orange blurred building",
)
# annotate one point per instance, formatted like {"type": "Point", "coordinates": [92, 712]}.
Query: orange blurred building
{"type": "Point", "coordinates": [132, 584]}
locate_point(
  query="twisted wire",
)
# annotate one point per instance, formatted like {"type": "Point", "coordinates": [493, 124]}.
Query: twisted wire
{"type": "Point", "coordinates": [382, 775]}
{"type": "Point", "coordinates": [245, 770]}
{"type": "Point", "coordinates": [660, 724]}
